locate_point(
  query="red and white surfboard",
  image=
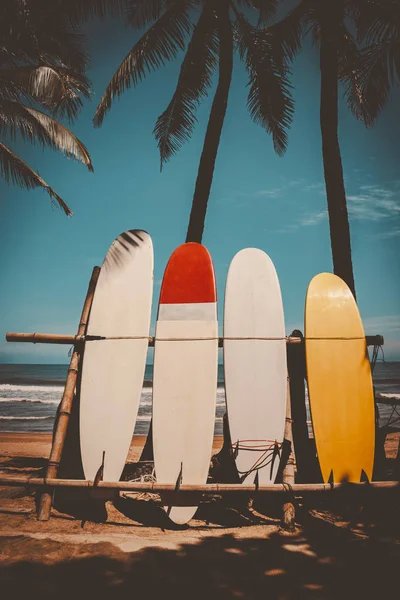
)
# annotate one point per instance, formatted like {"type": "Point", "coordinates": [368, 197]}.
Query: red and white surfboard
{"type": "Point", "coordinates": [185, 372]}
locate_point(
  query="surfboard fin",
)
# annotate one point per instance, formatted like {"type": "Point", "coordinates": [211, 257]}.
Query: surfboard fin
{"type": "Point", "coordinates": [177, 486]}
{"type": "Point", "coordinates": [364, 477]}
{"type": "Point", "coordinates": [276, 452]}
{"type": "Point", "coordinates": [98, 477]}
{"type": "Point", "coordinates": [236, 450]}
{"type": "Point", "coordinates": [100, 472]}
{"type": "Point", "coordinates": [179, 479]}
{"type": "Point", "coordinates": [330, 478]}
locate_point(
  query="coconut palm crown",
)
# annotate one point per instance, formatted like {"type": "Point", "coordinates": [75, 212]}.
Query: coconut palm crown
{"type": "Point", "coordinates": [42, 79]}
{"type": "Point", "coordinates": [209, 31]}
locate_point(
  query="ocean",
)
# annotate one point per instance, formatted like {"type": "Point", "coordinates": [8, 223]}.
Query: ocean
{"type": "Point", "coordinates": [30, 394]}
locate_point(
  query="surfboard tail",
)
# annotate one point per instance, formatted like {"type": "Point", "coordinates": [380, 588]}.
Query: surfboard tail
{"type": "Point", "coordinates": [356, 474]}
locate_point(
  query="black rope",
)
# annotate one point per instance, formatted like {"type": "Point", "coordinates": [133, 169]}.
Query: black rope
{"type": "Point", "coordinates": [268, 459]}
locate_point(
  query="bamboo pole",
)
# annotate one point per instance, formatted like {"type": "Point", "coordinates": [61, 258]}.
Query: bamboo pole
{"type": "Point", "coordinates": [288, 520]}
{"type": "Point", "coordinates": [45, 338]}
{"type": "Point", "coordinates": [66, 403]}
{"type": "Point", "coordinates": [50, 338]}
{"type": "Point", "coordinates": [211, 488]}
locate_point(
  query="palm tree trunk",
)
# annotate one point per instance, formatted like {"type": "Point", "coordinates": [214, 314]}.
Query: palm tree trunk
{"type": "Point", "coordinates": [214, 127]}
{"type": "Point", "coordinates": [333, 171]}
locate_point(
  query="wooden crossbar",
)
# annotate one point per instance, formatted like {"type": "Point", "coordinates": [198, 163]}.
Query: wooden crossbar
{"type": "Point", "coordinates": [75, 340]}
{"type": "Point", "coordinates": [210, 488]}
{"type": "Point", "coordinates": [45, 338]}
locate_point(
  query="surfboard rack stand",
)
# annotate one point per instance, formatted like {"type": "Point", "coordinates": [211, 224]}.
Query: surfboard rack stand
{"type": "Point", "coordinates": [288, 489]}
{"type": "Point", "coordinates": [79, 339]}
{"type": "Point", "coordinates": [207, 489]}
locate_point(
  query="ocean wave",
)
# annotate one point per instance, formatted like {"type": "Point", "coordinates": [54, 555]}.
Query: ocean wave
{"type": "Point", "coordinates": [27, 418]}
{"type": "Point", "coordinates": [392, 396]}
{"type": "Point", "coordinates": [147, 395]}
{"type": "Point", "coordinates": [143, 418]}
{"type": "Point", "coordinates": [29, 400]}
{"type": "Point", "coordinates": [145, 403]}
{"type": "Point", "coordinates": [18, 387]}
{"type": "Point", "coordinates": [11, 387]}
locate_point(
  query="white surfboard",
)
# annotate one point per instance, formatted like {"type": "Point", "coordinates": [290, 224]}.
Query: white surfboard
{"type": "Point", "coordinates": [255, 364]}
{"type": "Point", "coordinates": [185, 373]}
{"type": "Point", "coordinates": [113, 366]}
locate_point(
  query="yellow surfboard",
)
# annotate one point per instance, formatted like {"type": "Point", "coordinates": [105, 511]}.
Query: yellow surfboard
{"type": "Point", "coordinates": [339, 381]}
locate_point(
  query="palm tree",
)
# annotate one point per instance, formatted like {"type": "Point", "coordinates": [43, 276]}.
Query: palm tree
{"type": "Point", "coordinates": [42, 66]}
{"type": "Point", "coordinates": [327, 22]}
{"type": "Point", "coordinates": [213, 29]}
{"type": "Point", "coordinates": [42, 77]}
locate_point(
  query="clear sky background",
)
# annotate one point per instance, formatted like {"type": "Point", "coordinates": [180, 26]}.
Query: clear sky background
{"type": "Point", "coordinates": [258, 199]}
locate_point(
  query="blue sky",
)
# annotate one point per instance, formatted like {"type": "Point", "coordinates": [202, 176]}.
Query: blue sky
{"type": "Point", "coordinates": [258, 199]}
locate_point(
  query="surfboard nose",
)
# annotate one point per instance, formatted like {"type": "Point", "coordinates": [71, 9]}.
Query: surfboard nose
{"type": "Point", "coordinates": [189, 276]}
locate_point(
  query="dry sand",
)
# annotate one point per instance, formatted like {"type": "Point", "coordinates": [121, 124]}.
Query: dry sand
{"type": "Point", "coordinates": [340, 548]}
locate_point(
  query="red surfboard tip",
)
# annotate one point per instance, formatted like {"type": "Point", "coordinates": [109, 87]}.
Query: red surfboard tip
{"type": "Point", "coordinates": [189, 276]}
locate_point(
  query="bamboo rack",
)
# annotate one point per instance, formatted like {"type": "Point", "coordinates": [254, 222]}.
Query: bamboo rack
{"type": "Point", "coordinates": [49, 483]}
{"type": "Point", "coordinates": [66, 403]}
{"type": "Point", "coordinates": [45, 338]}
{"type": "Point", "coordinates": [211, 488]}
{"type": "Point", "coordinates": [288, 519]}
{"type": "Point", "coordinates": [76, 340]}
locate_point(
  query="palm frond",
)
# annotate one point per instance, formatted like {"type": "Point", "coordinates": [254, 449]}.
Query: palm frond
{"type": "Point", "coordinates": [269, 102]}
{"type": "Point", "coordinates": [37, 32]}
{"type": "Point", "coordinates": [161, 43]}
{"type": "Point", "coordinates": [55, 88]}
{"type": "Point", "coordinates": [289, 31]}
{"type": "Point", "coordinates": [16, 171]}
{"type": "Point", "coordinates": [349, 58]}
{"type": "Point", "coordinates": [378, 26]}
{"type": "Point", "coordinates": [266, 9]}
{"type": "Point", "coordinates": [175, 125]}
{"type": "Point", "coordinates": [140, 13]}
{"type": "Point", "coordinates": [349, 73]}
{"type": "Point", "coordinates": [81, 11]}
{"type": "Point", "coordinates": [376, 20]}
{"type": "Point", "coordinates": [347, 49]}
{"type": "Point", "coordinates": [35, 125]}
{"type": "Point", "coordinates": [378, 70]}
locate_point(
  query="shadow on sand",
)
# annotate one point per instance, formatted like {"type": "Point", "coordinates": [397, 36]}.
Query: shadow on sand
{"type": "Point", "coordinates": [323, 561]}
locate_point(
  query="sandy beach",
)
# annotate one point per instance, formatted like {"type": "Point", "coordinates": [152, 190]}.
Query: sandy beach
{"type": "Point", "coordinates": [229, 550]}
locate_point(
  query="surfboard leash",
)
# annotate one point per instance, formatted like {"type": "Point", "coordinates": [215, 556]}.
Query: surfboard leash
{"type": "Point", "coordinates": [271, 449]}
